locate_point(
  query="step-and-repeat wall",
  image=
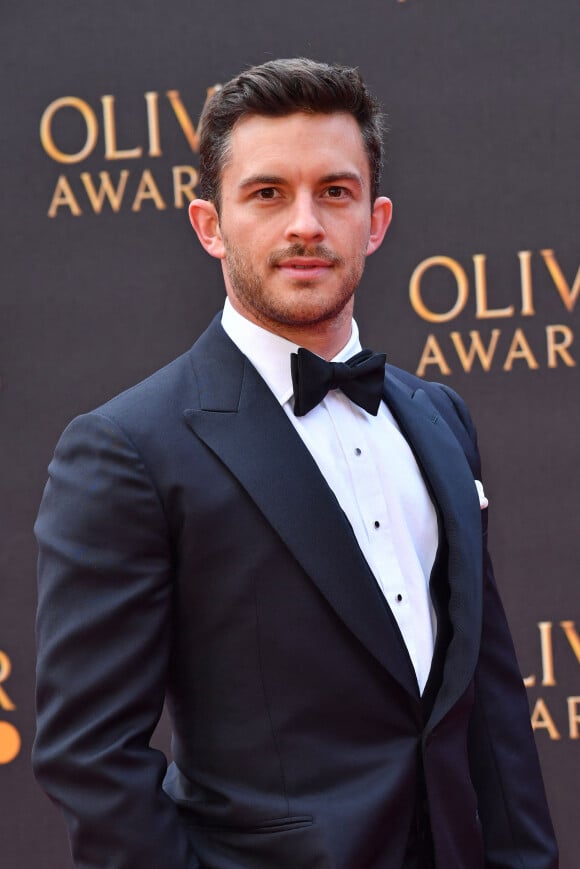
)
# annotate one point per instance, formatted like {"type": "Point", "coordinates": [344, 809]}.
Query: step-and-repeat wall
{"type": "Point", "coordinates": [477, 284]}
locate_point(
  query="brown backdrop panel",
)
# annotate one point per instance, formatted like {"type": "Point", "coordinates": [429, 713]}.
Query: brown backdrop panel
{"type": "Point", "coordinates": [476, 284]}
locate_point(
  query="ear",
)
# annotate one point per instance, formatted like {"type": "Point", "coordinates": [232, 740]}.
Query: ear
{"type": "Point", "coordinates": [205, 221]}
{"type": "Point", "coordinates": [380, 220]}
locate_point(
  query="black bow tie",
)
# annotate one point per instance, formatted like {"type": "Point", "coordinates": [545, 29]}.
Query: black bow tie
{"type": "Point", "coordinates": [360, 378]}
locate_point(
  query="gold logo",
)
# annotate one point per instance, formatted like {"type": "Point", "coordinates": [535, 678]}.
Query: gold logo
{"type": "Point", "coordinates": [495, 348]}
{"type": "Point", "coordinates": [10, 741]}
{"type": "Point", "coordinates": [127, 189]}
{"type": "Point", "coordinates": [544, 718]}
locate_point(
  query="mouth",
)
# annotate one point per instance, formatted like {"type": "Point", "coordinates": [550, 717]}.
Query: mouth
{"type": "Point", "coordinates": [305, 268]}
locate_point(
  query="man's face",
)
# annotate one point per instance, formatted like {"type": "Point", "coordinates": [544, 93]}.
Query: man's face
{"type": "Point", "coordinates": [295, 222]}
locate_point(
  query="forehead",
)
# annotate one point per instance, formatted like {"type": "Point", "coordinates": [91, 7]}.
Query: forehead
{"type": "Point", "coordinates": [315, 143]}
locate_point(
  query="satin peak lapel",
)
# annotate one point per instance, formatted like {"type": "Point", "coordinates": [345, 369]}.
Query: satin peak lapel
{"type": "Point", "coordinates": [449, 477]}
{"type": "Point", "coordinates": [243, 424]}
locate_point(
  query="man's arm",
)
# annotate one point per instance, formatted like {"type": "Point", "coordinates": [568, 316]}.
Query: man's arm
{"type": "Point", "coordinates": [104, 634]}
{"type": "Point", "coordinates": [504, 763]}
{"type": "Point", "coordinates": [513, 810]}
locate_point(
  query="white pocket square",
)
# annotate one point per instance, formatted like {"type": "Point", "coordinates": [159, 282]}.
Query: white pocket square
{"type": "Point", "coordinates": [483, 502]}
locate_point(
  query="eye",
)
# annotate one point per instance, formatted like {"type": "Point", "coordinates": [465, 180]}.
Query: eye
{"type": "Point", "coordinates": [267, 193]}
{"type": "Point", "coordinates": [337, 192]}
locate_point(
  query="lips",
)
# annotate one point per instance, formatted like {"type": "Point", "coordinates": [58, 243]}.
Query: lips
{"type": "Point", "coordinates": [304, 267]}
{"type": "Point", "coordinates": [305, 263]}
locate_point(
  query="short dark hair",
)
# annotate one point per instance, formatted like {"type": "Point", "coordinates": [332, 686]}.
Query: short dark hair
{"type": "Point", "coordinates": [279, 88]}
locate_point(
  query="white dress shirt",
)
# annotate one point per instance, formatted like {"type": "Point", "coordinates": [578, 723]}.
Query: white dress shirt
{"type": "Point", "coordinates": [371, 469]}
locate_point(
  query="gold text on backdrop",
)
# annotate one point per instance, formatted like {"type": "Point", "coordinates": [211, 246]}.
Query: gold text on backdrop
{"type": "Point", "coordinates": [495, 348]}
{"type": "Point", "coordinates": [125, 188]}
{"type": "Point", "coordinates": [10, 741]}
{"type": "Point", "coordinates": [543, 717]}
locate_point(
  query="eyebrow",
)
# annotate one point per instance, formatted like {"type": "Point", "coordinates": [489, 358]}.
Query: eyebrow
{"type": "Point", "coordinates": [276, 180]}
{"type": "Point", "coordinates": [253, 180]}
{"type": "Point", "coordinates": [334, 177]}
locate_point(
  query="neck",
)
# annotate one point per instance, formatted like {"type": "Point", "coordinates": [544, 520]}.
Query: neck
{"type": "Point", "coordinates": [325, 342]}
{"type": "Point", "coordinates": [326, 338]}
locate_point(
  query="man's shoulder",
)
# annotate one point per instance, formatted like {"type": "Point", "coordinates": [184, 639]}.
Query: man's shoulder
{"type": "Point", "coordinates": [410, 380]}
{"type": "Point", "coordinates": [448, 404]}
{"type": "Point", "coordinates": [169, 390]}
{"type": "Point", "coordinates": [154, 394]}
{"type": "Point", "coordinates": [437, 391]}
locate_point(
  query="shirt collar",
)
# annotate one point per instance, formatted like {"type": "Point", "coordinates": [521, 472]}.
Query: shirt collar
{"type": "Point", "coordinates": [270, 353]}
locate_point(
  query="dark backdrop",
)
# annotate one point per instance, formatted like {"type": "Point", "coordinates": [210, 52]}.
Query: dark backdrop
{"type": "Point", "coordinates": [476, 284]}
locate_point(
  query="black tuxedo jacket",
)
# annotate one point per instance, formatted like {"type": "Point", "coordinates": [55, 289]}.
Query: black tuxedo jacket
{"type": "Point", "coordinates": [190, 548]}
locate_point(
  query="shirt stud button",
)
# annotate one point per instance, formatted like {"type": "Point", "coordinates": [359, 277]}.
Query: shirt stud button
{"type": "Point", "coordinates": [357, 451]}
{"type": "Point", "coordinates": [377, 524]}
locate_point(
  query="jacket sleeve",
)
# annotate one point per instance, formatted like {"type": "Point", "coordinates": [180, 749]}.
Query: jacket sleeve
{"type": "Point", "coordinates": [104, 636]}
{"type": "Point", "coordinates": [505, 769]}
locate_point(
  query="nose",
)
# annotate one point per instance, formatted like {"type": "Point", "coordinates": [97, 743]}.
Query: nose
{"type": "Point", "coordinates": [304, 222]}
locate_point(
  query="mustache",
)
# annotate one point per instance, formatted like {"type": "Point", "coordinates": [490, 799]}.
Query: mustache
{"type": "Point", "coordinates": [318, 251]}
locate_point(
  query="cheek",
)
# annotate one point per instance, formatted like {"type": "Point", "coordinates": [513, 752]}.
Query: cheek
{"type": "Point", "coordinates": [243, 235]}
{"type": "Point", "coordinates": [352, 230]}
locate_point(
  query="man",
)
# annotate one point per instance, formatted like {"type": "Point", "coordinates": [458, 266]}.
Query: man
{"type": "Point", "coordinates": [307, 583]}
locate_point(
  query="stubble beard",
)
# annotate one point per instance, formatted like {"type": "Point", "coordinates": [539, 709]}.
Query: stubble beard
{"type": "Point", "coordinates": [304, 309]}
